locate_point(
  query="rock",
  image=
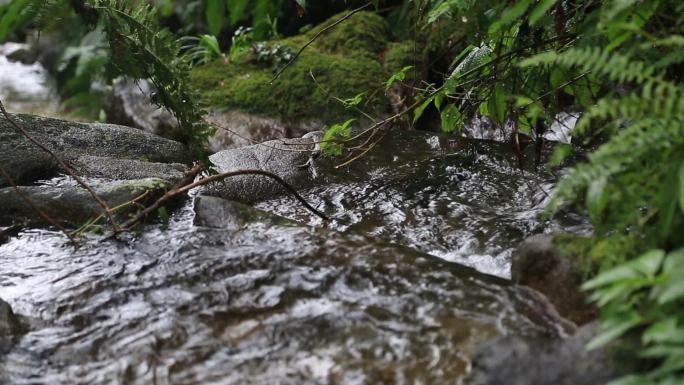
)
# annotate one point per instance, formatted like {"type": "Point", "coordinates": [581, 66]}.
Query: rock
{"type": "Point", "coordinates": [127, 169]}
{"type": "Point", "coordinates": [8, 232]}
{"type": "Point", "coordinates": [288, 158]}
{"type": "Point", "coordinates": [10, 327]}
{"type": "Point", "coordinates": [511, 360]}
{"type": "Point", "coordinates": [237, 129]}
{"type": "Point", "coordinates": [224, 214]}
{"type": "Point", "coordinates": [73, 205]}
{"type": "Point", "coordinates": [130, 105]}
{"type": "Point", "coordinates": [26, 162]}
{"type": "Point", "coordinates": [540, 264]}
{"type": "Point", "coordinates": [345, 62]}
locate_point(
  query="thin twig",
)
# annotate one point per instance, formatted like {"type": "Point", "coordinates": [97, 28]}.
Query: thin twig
{"type": "Point", "coordinates": [347, 16]}
{"type": "Point", "coordinates": [187, 185]}
{"type": "Point", "coordinates": [34, 207]}
{"type": "Point", "coordinates": [62, 163]}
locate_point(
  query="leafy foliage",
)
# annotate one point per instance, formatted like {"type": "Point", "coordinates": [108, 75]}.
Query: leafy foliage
{"type": "Point", "coordinates": [142, 50]}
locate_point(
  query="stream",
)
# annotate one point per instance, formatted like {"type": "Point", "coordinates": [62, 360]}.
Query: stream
{"type": "Point", "coordinates": [401, 286]}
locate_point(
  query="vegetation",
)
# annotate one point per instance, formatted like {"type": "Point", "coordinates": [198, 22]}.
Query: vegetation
{"type": "Point", "coordinates": [619, 63]}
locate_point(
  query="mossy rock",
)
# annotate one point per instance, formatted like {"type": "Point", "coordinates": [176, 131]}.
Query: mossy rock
{"type": "Point", "coordinates": [345, 61]}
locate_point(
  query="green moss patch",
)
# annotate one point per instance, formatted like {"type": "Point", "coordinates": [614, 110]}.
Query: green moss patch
{"type": "Point", "coordinates": [345, 61]}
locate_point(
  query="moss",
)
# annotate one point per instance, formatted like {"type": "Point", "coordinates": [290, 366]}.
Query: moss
{"type": "Point", "coordinates": [344, 61]}
{"type": "Point", "coordinates": [364, 33]}
{"type": "Point", "coordinates": [400, 55]}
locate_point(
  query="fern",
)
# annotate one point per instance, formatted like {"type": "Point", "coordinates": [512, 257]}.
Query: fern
{"type": "Point", "coordinates": [142, 50]}
{"type": "Point", "coordinates": [614, 66]}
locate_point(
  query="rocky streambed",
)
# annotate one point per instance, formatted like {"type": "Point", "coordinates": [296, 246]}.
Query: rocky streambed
{"type": "Point", "coordinates": [406, 284]}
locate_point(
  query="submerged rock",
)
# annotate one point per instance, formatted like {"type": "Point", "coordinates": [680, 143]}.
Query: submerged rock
{"type": "Point", "coordinates": [544, 266]}
{"type": "Point", "coordinates": [220, 213]}
{"type": "Point", "coordinates": [72, 205]}
{"type": "Point", "coordinates": [26, 162]}
{"type": "Point", "coordinates": [512, 360]}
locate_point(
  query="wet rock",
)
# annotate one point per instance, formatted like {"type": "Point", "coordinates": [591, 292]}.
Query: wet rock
{"type": "Point", "coordinates": [127, 169]}
{"type": "Point", "coordinates": [339, 64]}
{"type": "Point", "coordinates": [26, 162]}
{"type": "Point", "coordinates": [540, 264]}
{"type": "Point", "coordinates": [238, 129]}
{"type": "Point", "coordinates": [10, 327]}
{"type": "Point", "coordinates": [512, 360]}
{"type": "Point", "coordinates": [290, 159]}
{"type": "Point", "coordinates": [73, 205]}
{"type": "Point", "coordinates": [130, 105]}
{"type": "Point", "coordinates": [8, 232]}
{"type": "Point", "coordinates": [224, 214]}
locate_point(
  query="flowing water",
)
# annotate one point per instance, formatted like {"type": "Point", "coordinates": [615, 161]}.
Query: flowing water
{"type": "Point", "coordinates": [379, 295]}
{"type": "Point", "coordinates": [374, 297]}
{"type": "Point", "coordinates": [26, 88]}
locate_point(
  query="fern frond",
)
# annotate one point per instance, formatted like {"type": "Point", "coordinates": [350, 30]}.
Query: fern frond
{"type": "Point", "coordinates": [648, 138]}
{"type": "Point", "coordinates": [615, 67]}
{"type": "Point", "coordinates": [656, 99]}
{"type": "Point", "coordinates": [143, 50]}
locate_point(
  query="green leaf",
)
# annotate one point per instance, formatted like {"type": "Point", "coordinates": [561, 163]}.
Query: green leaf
{"type": "Point", "coordinates": [631, 380]}
{"type": "Point", "coordinates": [560, 152]}
{"type": "Point", "coordinates": [512, 13]}
{"type": "Point", "coordinates": [355, 101]}
{"type": "Point", "coordinates": [646, 265]}
{"type": "Point", "coordinates": [596, 200]}
{"type": "Point", "coordinates": [336, 132]}
{"type": "Point", "coordinates": [614, 330]}
{"type": "Point", "coordinates": [497, 103]}
{"type": "Point", "coordinates": [667, 204]}
{"type": "Point", "coordinates": [236, 10]}
{"type": "Point", "coordinates": [451, 117]}
{"type": "Point", "coordinates": [399, 76]}
{"type": "Point", "coordinates": [673, 291]}
{"type": "Point", "coordinates": [665, 331]}
{"type": "Point", "coordinates": [215, 13]}
{"type": "Point", "coordinates": [540, 10]}
{"type": "Point", "coordinates": [418, 112]}
{"type": "Point", "coordinates": [681, 186]}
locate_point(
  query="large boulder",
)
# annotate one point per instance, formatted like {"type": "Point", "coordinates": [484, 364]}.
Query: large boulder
{"type": "Point", "coordinates": [354, 58]}
{"type": "Point", "coordinates": [26, 162]}
{"type": "Point", "coordinates": [540, 263]}
{"type": "Point", "coordinates": [512, 360]}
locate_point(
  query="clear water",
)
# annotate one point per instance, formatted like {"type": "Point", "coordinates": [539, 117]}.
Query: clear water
{"type": "Point", "coordinates": [373, 297]}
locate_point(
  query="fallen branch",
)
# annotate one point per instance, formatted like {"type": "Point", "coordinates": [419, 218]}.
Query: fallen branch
{"type": "Point", "coordinates": [187, 185]}
{"type": "Point", "coordinates": [34, 207]}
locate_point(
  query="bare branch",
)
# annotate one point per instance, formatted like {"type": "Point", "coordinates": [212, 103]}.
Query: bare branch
{"type": "Point", "coordinates": [34, 207]}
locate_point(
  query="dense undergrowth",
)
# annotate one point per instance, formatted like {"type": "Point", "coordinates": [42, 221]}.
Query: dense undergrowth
{"type": "Point", "coordinates": [619, 63]}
